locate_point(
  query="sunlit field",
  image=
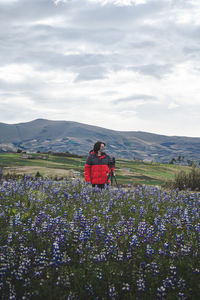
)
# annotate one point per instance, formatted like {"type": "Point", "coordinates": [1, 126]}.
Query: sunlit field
{"type": "Point", "coordinates": [67, 240]}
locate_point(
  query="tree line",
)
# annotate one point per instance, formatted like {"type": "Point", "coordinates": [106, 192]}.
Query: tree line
{"type": "Point", "coordinates": [182, 161]}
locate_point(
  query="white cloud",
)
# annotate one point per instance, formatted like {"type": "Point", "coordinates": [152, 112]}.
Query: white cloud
{"type": "Point", "coordinates": [125, 65]}
{"type": "Point", "coordinates": [119, 2]}
{"type": "Point", "coordinates": [16, 100]}
{"type": "Point", "coordinates": [8, 1]}
{"type": "Point", "coordinates": [15, 73]}
{"type": "Point", "coordinates": [183, 84]}
{"type": "Point", "coordinates": [173, 105]}
{"type": "Point", "coordinates": [58, 21]}
{"type": "Point", "coordinates": [63, 1]}
{"type": "Point", "coordinates": [106, 2]}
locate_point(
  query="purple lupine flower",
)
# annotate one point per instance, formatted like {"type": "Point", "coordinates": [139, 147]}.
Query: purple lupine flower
{"type": "Point", "coordinates": [126, 287]}
{"type": "Point", "coordinates": [186, 250]}
{"type": "Point", "coordinates": [197, 271]}
{"type": "Point", "coordinates": [89, 289]}
{"type": "Point", "coordinates": [99, 274]}
{"type": "Point", "coordinates": [17, 220]}
{"type": "Point", "coordinates": [100, 257]}
{"type": "Point", "coordinates": [173, 270]}
{"type": "Point", "coordinates": [56, 253]}
{"type": "Point", "coordinates": [181, 284]}
{"type": "Point", "coordinates": [134, 241]}
{"type": "Point", "coordinates": [162, 229]}
{"type": "Point", "coordinates": [142, 228]}
{"type": "Point", "coordinates": [166, 245]}
{"type": "Point", "coordinates": [141, 285]}
{"type": "Point", "coordinates": [161, 293]}
{"type": "Point", "coordinates": [181, 296]}
{"type": "Point", "coordinates": [155, 268]}
{"type": "Point", "coordinates": [112, 291]}
{"type": "Point", "coordinates": [149, 251]}
{"type": "Point", "coordinates": [141, 211]}
{"type": "Point", "coordinates": [179, 239]}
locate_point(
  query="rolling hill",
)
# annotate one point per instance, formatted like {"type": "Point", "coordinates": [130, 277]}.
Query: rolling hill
{"type": "Point", "coordinates": [74, 137]}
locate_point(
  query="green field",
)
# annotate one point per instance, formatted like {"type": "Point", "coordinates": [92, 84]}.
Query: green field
{"type": "Point", "coordinates": [127, 171]}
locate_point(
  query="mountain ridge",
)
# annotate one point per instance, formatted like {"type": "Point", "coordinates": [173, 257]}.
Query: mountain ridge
{"type": "Point", "coordinates": [75, 137]}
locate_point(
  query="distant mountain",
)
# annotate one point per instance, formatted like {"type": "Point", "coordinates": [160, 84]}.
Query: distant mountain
{"type": "Point", "coordinates": [62, 136]}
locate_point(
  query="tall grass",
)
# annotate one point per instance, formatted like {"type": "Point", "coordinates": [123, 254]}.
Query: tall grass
{"type": "Point", "coordinates": [184, 180]}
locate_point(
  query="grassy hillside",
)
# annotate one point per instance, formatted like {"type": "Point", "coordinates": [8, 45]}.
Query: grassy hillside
{"type": "Point", "coordinates": [127, 171]}
{"type": "Point", "coordinates": [61, 136]}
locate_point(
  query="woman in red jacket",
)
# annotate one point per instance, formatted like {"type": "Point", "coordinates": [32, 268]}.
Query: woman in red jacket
{"type": "Point", "coordinates": [97, 166]}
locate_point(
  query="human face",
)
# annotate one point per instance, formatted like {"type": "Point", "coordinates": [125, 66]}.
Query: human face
{"type": "Point", "coordinates": [102, 148]}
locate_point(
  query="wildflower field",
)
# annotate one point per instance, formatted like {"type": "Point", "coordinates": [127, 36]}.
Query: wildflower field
{"type": "Point", "coordinates": [66, 240]}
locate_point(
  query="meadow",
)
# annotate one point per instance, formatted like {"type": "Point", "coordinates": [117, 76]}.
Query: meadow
{"type": "Point", "coordinates": [127, 171]}
{"type": "Point", "coordinates": [67, 240]}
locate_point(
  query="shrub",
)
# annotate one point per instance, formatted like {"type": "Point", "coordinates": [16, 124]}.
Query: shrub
{"type": "Point", "coordinates": [37, 175]}
{"type": "Point", "coordinates": [185, 180]}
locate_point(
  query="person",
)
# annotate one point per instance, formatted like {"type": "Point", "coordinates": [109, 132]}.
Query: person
{"type": "Point", "coordinates": [97, 166]}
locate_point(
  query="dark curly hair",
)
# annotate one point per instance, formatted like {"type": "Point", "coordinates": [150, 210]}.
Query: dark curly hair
{"type": "Point", "coordinates": [97, 146]}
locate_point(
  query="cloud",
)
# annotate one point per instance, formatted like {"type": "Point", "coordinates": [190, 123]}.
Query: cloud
{"type": "Point", "coordinates": [61, 1]}
{"type": "Point", "coordinates": [8, 2]}
{"type": "Point", "coordinates": [173, 105]}
{"type": "Point", "coordinates": [91, 73]}
{"type": "Point", "coordinates": [135, 99]}
{"type": "Point", "coordinates": [132, 63]}
{"type": "Point", "coordinates": [156, 70]}
{"type": "Point", "coordinates": [106, 2]}
{"type": "Point", "coordinates": [15, 73]}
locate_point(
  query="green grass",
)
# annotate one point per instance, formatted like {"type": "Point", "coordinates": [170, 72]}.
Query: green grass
{"type": "Point", "coordinates": [127, 171]}
{"type": "Point", "coordinates": [14, 159]}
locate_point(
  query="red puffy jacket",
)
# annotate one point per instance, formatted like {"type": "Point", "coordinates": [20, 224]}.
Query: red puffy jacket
{"type": "Point", "coordinates": [97, 168]}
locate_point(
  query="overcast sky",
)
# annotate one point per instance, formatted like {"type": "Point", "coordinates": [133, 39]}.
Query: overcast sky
{"type": "Point", "coordinates": [131, 65]}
